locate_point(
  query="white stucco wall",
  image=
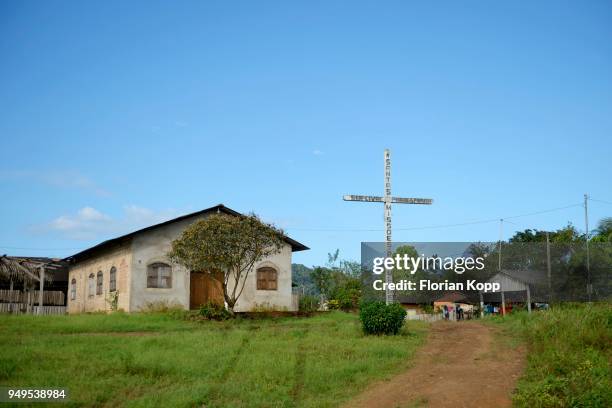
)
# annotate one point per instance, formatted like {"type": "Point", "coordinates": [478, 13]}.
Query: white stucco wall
{"type": "Point", "coordinates": [148, 248]}
{"type": "Point", "coordinates": [132, 259]}
{"type": "Point", "coordinates": [118, 257]}
{"type": "Point", "coordinates": [151, 246]}
{"type": "Point", "coordinates": [279, 299]}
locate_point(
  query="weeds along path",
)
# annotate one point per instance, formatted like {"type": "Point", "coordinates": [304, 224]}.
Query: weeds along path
{"type": "Point", "coordinates": [463, 364]}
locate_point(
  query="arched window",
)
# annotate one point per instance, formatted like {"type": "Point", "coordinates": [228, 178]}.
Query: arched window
{"type": "Point", "coordinates": [73, 289]}
{"type": "Point", "coordinates": [159, 275]}
{"type": "Point", "coordinates": [112, 285]}
{"type": "Point", "coordinates": [267, 278]}
{"type": "Point", "coordinates": [99, 283]}
{"type": "Point", "coordinates": [91, 283]}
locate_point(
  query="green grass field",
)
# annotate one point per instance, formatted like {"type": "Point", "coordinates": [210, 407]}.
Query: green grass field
{"type": "Point", "coordinates": [154, 360]}
{"type": "Point", "coordinates": [569, 355]}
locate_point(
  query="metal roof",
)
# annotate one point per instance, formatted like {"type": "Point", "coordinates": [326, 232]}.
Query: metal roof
{"type": "Point", "coordinates": [525, 276]}
{"type": "Point", "coordinates": [89, 252]}
{"type": "Point", "coordinates": [454, 297]}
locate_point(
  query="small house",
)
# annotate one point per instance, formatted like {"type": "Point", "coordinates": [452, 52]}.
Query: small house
{"type": "Point", "coordinates": [134, 268]}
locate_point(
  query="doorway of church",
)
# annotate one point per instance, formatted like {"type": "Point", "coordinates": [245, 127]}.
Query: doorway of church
{"type": "Point", "coordinates": [205, 288]}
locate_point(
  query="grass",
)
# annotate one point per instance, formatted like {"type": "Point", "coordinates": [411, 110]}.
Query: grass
{"type": "Point", "coordinates": [569, 356]}
{"type": "Point", "coordinates": [153, 360]}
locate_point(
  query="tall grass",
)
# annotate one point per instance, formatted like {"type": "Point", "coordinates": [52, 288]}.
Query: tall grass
{"type": "Point", "coordinates": [569, 356]}
{"type": "Point", "coordinates": [148, 360]}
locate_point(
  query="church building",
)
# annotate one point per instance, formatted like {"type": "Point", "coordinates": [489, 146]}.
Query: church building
{"type": "Point", "coordinates": [134, 267]}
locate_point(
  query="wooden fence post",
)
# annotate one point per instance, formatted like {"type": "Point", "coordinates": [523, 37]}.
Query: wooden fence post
{"type": "Point", "coordinates": [528, 299]}
{"type": "Point", "coordinates": [41, 289]}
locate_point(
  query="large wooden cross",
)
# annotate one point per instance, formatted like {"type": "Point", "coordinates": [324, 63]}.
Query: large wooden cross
{"type": "Point", "coordinates": [387, 199]}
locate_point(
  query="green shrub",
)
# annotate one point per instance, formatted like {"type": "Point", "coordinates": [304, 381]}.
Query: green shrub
{"type": "Point", "coordinates": [113, 300]}
{"type": "Point", "coordinates": [309, 304]}
{"type": "Point", "coordinates": [379, 318]}
{"type": "Point", "coordinates": [348, 298]}
{"type": "Point", "coordinates": [215, 311]}
{"type": "Point", "coordinates": [333, 304]}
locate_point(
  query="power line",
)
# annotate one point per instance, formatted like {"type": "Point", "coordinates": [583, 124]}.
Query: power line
{"type": "Point", "coordinates": [544, 211]}
{"type": "Point", "coordinates": [449, 225]}
{"type": "Point", "coordinates": [484, 221]}
{"type": "Point", "coordinates": [437, 226]}
{"type": "Point", "coordinates": [600, 201]}
{"type": "Point", "coordinates": [41, 249]}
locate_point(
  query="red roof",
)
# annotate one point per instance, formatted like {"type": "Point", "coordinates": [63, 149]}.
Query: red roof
{"type": "Point", "coordinates": [453, 297]}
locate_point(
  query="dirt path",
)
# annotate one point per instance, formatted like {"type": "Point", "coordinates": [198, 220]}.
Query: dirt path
{"type": "Point", "coordinates": [461, 365]}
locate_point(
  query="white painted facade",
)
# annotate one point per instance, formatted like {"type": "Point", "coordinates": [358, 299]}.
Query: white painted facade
{"type": "Point", "coordinates": [131, 258]}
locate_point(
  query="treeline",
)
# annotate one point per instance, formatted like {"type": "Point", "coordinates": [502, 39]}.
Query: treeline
{"type": "Point", "coordinates": [337, 284]}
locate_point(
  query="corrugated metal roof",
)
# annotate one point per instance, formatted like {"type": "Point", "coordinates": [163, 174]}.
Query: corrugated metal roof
{"type": "Point", "coordinates": [87, 253]}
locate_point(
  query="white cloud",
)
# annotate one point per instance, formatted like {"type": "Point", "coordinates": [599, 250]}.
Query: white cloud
{"type": "Point", "coordinates": [141, 217]}
{"type": "Point", "coordinates": [60, 179]}
{"type": "Point", "coordinates": [317, 152]}
{"type": "Point", "coordinates": [89, 223]}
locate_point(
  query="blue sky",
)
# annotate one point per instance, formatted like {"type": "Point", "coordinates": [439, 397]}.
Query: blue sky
{"type": "Point", "coordinates": [116, 115]}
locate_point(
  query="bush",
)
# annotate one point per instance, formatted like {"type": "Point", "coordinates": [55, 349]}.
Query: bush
{"type": "Point", "coordinates": [309, 304]}
{"type": "Point", "coordinates": [379, 318]}
{"type": "Point", "coordinates": [333, 304]}
{"type": "Point", "coordinates": [215, 311]}
{"type": "Point", "coordinates": [348, 298]}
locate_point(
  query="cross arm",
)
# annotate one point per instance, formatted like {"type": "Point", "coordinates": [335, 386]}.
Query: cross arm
{"type": "Point", "coordinates": [411, 200]}
{"type": "Point", "coordinates": [397, 200]}
{"type": "Point", "coordinates": [371, 199]}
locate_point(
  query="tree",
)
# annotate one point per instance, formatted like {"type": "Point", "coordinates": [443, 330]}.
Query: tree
{"type": "Point", "coordinates": [604, 230]}
{"type": "Point", "coordinates": [567, 234]}
{"type": "Point", "coordinates": [229, 244]}
{"type": "Point", "coordinates": [301, 278]}
{"type": "Point", "coordinates": [339, 281]}
{"type": "Point", "coordinates": [323, 280]}
{"type": "Point", "coordinates": [332, 258]}
{"type": "Point", "coordinates": [569, 274]}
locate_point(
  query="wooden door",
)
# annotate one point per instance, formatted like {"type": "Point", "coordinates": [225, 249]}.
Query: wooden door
{"type": "Point", "coordinates": [205, 289]}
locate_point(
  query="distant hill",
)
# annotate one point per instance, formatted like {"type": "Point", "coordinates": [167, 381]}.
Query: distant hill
{"type": "Point", "coordinates": [302, 281]}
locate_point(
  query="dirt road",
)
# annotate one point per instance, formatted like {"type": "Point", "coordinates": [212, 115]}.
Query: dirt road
{"type": "Point", "coordinates": [462, 365]}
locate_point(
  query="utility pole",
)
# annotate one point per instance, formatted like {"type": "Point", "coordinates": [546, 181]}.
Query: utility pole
{"type": "Point", "coordinates": [548, 272]}
{"type": "Point", "coordinates": [588, 260]}
{"type": "Point", "coordinates": [501, 237]}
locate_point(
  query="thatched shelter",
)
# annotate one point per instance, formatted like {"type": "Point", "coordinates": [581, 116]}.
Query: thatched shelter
{"type": "Point", "coordinates": [22, 270]}
{"type": "Point", "coordinates": [25, 280]}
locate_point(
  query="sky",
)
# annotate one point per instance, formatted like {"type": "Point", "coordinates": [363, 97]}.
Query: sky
{"type": "Point", "coordinates": [118, 115]}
